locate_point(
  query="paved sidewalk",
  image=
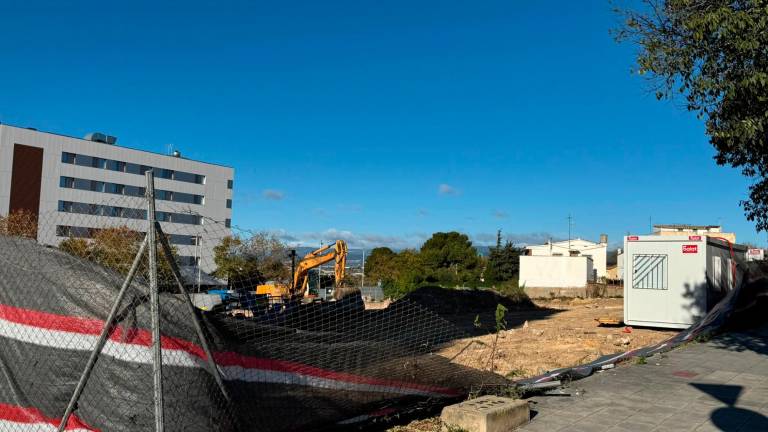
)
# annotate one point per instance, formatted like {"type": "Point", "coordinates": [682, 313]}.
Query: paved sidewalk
{"type": "Point", "coordinates": [721, 385]}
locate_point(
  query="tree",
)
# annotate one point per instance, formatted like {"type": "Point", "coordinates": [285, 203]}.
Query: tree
{"type": "Point", "coordinates": [407, 274]}
{"type": "Point", "coordinates": [713, 53]}
{"type": "Point", "coordinates": [246, 262]}
{"type": "Point", "coordinates": [116, 248]}
{"type": "Point", "coordinates": [380, 264]}
{"type": "Point", "coordinates": [503, 261]}
{"type": "Point", "coordinates": [450, 259]}
{"type": "Point", "coordinates": [19, 223]}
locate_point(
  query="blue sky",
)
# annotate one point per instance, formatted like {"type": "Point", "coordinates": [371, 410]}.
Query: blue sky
{"type": "Point", "coordinates": [379, 122]}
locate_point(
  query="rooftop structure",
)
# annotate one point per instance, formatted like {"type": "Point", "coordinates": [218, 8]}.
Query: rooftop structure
{"type": "Point", "coordinates": [683, 229]}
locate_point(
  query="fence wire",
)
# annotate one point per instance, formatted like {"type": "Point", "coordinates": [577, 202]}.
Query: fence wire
{"type": "Point", "coordinates": [286, 364]}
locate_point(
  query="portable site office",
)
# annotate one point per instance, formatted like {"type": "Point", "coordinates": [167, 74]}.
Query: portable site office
{"type": "Point", "coordinates": [672, 281]}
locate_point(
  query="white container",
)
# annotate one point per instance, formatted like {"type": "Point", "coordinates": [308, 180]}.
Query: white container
{"type": "Point", "coordinates": [673, 281]}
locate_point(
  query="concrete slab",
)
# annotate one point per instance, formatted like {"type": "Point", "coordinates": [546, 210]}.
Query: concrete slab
{"type": "Point", "coordinates": [486, 414]}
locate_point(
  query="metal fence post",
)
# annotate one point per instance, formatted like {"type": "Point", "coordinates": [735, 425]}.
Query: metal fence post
{"type": "Point", "coordinates": [154, 300]}
{"type": "Point", "coordinates": [108, 326]}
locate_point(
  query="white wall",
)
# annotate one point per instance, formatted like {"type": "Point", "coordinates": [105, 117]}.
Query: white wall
{"type": "Point", "coordinates": [620, 265]}
{"type": "Point", "coordinates": [554, 271]}
{"type": "Point", "coordinates": [597, 251]}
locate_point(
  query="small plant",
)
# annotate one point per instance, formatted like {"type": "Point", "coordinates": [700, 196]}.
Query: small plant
{"type": "Point", "coordinates": [477, 322]}
{"type": "Point", "coordinates": [501, 313]}
{"type": "Point", "coordinates": [501, 324]}
{"type": "Point", "coordinates": [641, 360]}
{"type": "Point", "coordinates": [514, 373]}
{"type": "Point", "coordinates": [703, 337]}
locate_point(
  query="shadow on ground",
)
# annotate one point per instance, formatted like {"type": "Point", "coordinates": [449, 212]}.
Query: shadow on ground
{"type": "Point", "coordinates": [474, 310]}
{"type": "Point", "coordinates": [730, 417]}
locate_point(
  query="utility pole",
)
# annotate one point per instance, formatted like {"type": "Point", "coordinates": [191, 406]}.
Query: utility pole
{"type": "Point", "coordinates": [570, 219]}
{"type": "Point", "coordinates": [362, 280]}
{"type": "Point", "coordinates": [650, 225]}
{"type": "Point", "coordinates": [292, 255]}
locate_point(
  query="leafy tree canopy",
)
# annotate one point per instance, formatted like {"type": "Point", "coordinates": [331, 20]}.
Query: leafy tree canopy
{"type": "Point", "coordinates": [503, 261]}
{"type": "Point", "coordinates": [116, 248]}
{"type": "Point", "coordinates": [249, 261]}
{"type": "Point", "coordinates": [380, 264]}
{"type": "Point", "coordinates": [713, 53]}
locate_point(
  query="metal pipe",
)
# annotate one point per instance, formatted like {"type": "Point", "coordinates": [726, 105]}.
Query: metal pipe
{"type": "Point", "coordinates": [195, 318]}
{"type": "Point", "coordinates": [102, 337]}
{"type": "Point", "coordinates": [154, 300]}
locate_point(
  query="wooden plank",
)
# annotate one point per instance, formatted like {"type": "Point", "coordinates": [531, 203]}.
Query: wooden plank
{"type": "Point", "coordinates": [609, 321]}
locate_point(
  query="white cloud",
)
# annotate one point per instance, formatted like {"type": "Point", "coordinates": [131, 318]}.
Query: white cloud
{"type": "Point", "coordinates": [353, 239]}
{"type": "Point", "coordinates": [272, 194]}
{"type": "Point", "coordinates": [446, 189]}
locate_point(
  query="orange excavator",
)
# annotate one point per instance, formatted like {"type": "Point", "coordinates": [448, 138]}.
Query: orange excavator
{"type": "Point", "coordinates": [298, 288]}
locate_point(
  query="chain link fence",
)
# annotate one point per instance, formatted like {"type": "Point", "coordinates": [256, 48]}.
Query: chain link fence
{"type": "Point", "coordinates": [78, 328]}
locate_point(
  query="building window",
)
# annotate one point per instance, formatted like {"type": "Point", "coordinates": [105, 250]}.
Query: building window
{"type": "Point", "coordinates": [188, 261]}
{"type": "Point", "coordinates": [128, 190]}
{"type": "Point", "coordinates": [68, 158]}
{"type": "Point", "coordinates": [230, 183]}
{"type": "Point", "coordinates": [229, 203]}
{"type": "Point", "coordinates": [188, 177]}
{"type": "Point", "coordinates": [131, 168]}
{"type": "Point", "coordinates": [163, 173]}
{"type": "Point", "coordinates": [228, 223]}
{"type": "Point", "coordinates": [127, 213]}
{"type": "Point", "coordinates": [649, 271]}
{"type": "Point", "coordinates": [114, 165]}
{"type": "Point", "coordinates": [67, 182]}
{"type": "Point", "coordinates": [181, 239]}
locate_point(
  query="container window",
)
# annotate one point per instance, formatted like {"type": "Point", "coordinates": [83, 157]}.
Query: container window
{"type": "Point", "coordinates": [649, 271]}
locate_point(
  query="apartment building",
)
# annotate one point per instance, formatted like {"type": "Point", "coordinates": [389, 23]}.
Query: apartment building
{"type": "Point", "coordinates": [59, 176]}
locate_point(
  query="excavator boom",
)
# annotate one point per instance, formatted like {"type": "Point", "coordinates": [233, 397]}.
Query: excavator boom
{"type": "Point", "coordinates": [317, 258]}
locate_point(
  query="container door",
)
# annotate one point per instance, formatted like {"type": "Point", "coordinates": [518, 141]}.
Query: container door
{"type": "Point", "coordinates": [648, 287]}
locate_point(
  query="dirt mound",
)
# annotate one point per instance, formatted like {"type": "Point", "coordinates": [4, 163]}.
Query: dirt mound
{"type": "Point", "coordinates": [448, 301]}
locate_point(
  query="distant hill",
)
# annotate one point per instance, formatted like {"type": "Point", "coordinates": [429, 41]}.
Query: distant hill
{"type": "Point", "coordinates": [355, 255]}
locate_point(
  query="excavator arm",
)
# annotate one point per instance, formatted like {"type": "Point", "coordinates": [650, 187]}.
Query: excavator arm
{"type": "Point", "coordinates": [316, 258]}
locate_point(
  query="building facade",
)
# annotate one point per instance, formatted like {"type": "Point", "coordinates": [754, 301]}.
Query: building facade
{"type": "Point", "coordinates": [705, 230]}
{"type": "Point", "coordinates": [57, 176]}
{"type": "Point", "coordinates": [576, 247]}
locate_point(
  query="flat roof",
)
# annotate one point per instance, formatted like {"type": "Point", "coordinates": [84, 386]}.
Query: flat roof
{"type": "Point", "coordinates": [116, 145]}
{"type": "Point", "coordinates": [687, 226]}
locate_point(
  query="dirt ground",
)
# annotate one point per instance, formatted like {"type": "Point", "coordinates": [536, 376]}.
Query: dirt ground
{"type": "Point", "coordinates": [561, 333]}
{"type": "Point", "coordinates": [567, 335]}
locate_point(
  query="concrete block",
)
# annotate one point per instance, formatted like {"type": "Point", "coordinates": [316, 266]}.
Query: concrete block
{"type": "Point", "coordinates": [487, 414]}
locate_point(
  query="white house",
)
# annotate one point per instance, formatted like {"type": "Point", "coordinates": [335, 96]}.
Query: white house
{"type": "Point", "coordinates": [576, 247]}
{"type": "Point", "coordinates": [541, 271]}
